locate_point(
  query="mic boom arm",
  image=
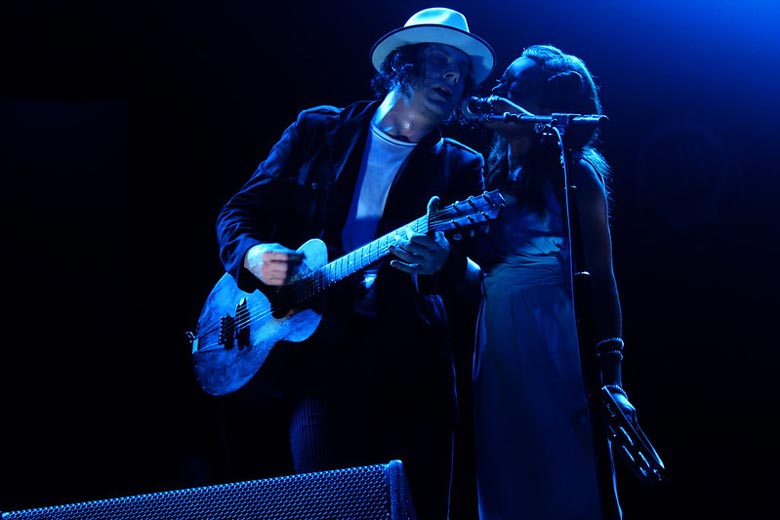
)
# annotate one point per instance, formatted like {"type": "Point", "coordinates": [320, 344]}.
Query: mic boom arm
{"type": "Point", "coordinates": [483, 110]}
{"type": "Point", "coordinates": [554, 119]}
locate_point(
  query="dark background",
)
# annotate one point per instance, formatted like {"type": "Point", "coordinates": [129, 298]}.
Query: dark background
{"type": "Point", "coordinates": [106, 270]}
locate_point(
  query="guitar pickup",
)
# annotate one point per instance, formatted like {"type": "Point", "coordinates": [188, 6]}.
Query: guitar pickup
{"type": "Point", "coordinates": [227, 328]}
{"type": "Point", "coordinates": [234, 331]}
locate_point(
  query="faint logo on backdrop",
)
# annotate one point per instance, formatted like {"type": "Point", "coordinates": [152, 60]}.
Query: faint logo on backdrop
{"type": "Point", "coordinates": [686, 173]}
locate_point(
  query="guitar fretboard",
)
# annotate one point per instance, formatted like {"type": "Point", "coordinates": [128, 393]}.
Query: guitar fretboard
{"type": "Point", "coordinates": [354, 261]}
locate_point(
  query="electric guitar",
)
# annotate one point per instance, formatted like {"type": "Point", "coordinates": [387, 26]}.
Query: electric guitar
{"type": "Point", "coordinates": [237, 329]}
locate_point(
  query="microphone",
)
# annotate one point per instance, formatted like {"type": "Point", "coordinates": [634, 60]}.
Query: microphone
{"type": "Point", "coordinates": [475, 107]}
{"type": "Point", "coordinates": [483, 108]}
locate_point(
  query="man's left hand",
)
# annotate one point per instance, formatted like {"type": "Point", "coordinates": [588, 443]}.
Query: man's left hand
{"type": "Point", "coordinates": [420, 254]}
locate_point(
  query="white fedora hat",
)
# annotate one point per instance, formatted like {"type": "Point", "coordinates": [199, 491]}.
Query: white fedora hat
{"type": "Point", "coordinates": [438, 25]}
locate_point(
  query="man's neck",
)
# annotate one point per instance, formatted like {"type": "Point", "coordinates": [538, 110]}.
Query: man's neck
{"type": "Point", "coordinates": [397, 117]}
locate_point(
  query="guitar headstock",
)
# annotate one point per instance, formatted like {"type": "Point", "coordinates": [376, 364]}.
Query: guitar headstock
{"type": "Point", "coordinates": [476, 209]}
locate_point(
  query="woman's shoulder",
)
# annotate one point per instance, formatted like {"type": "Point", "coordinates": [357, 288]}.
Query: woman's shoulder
{"type": "Point", "coordinates": [589, 169]}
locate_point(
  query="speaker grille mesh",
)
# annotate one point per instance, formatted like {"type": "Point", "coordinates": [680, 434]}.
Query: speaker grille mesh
{"type": "Point", "coordinates": [361, 493]}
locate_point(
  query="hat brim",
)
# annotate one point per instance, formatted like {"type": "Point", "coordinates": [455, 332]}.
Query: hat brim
{"type": "Point", "coordinates": [483, 58]}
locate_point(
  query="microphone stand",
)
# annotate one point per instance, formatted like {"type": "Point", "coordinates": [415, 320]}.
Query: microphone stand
{"type": "Point", "coordinates": [556, 124]}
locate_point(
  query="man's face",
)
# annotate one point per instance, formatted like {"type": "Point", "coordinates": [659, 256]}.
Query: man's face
{"type": "Point", "coordinates": [444, 73]}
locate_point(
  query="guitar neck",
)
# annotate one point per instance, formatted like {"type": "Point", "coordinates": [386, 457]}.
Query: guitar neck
{"type": "Point", "coordinates": [366, 255]}
{"type": "Point", "coordinates": [472, 211]}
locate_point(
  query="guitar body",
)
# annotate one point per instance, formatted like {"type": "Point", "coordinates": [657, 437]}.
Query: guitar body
{"type": "Point", "coordinates": [237, 329]}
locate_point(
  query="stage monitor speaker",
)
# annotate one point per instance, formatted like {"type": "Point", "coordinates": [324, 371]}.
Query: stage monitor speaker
{"type": "Point", "coordinates": [360, 493]}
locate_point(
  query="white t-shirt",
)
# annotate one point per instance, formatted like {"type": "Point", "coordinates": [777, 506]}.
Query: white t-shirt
{"type": "Point", "coordinates": [382, 159]}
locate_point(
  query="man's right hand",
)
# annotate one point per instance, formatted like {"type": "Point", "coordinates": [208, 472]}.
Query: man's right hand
{"type": "Point", "coordinates": [273, 264]}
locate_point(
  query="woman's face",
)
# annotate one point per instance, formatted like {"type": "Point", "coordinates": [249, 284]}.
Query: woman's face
{"type": "Point", "coordinates": [521, 83]}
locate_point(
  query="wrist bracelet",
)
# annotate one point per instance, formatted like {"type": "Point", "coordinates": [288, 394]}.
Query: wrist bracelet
{"type": "Point", "coordinates": [617, 341]}
{"type": "Point", "coordinates": [617, 389]}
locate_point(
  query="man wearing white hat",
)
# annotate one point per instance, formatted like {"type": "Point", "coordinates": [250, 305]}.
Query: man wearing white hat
{"type": "Point", "coordinates": [374, 381]}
